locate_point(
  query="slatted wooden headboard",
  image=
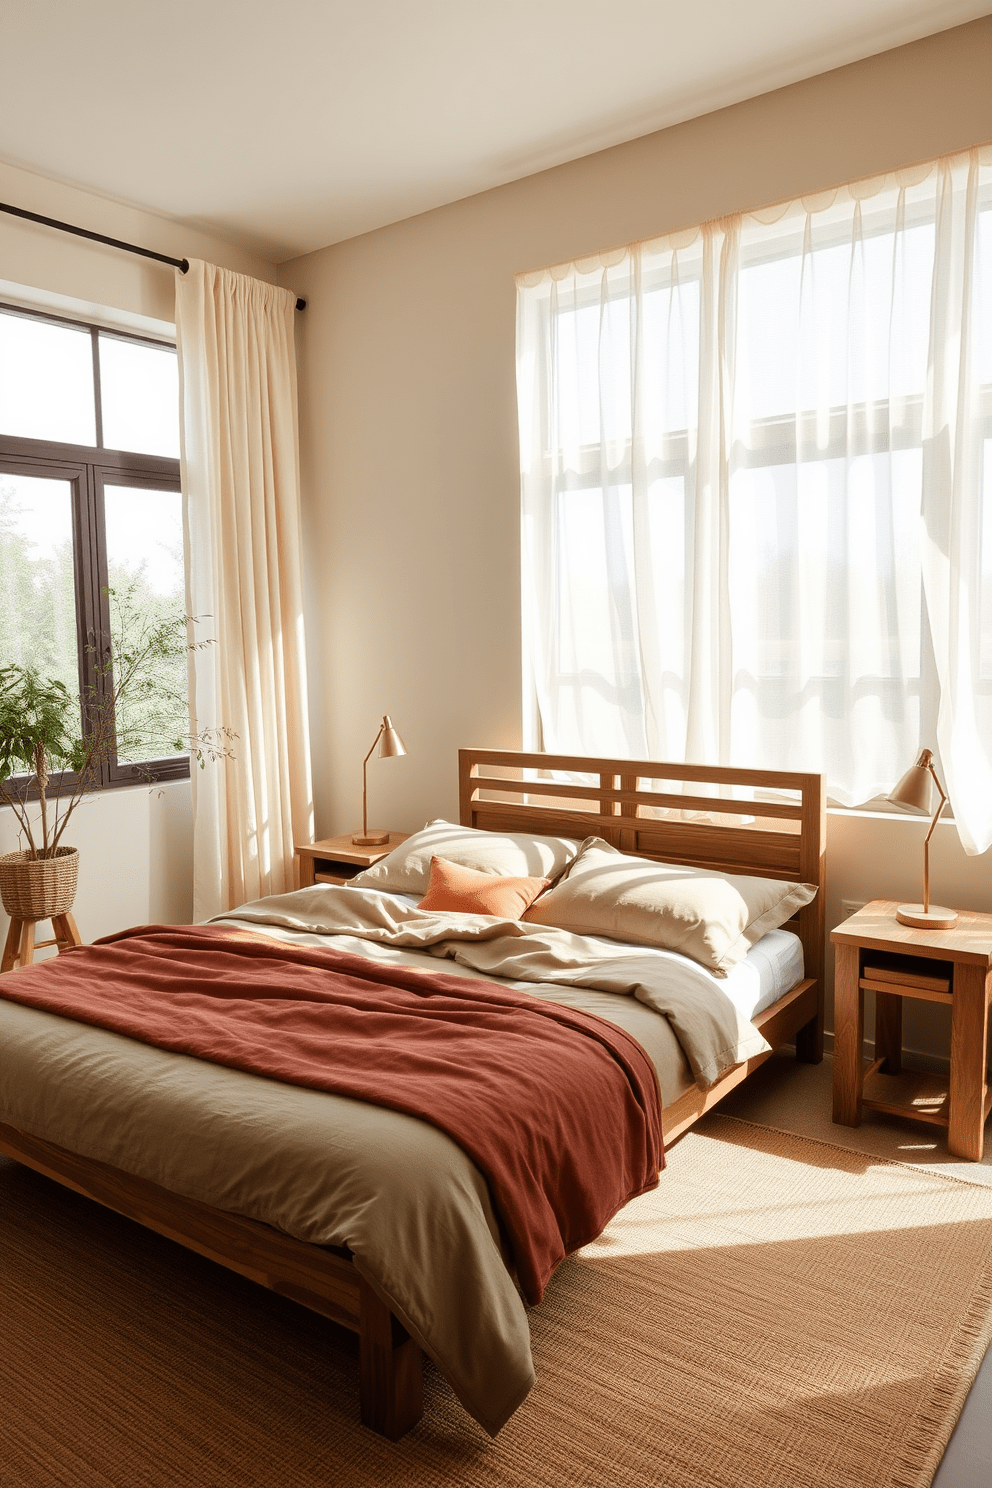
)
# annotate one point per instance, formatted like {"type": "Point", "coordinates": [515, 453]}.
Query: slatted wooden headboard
{"type": "Point", "coordinates": [778, 831]}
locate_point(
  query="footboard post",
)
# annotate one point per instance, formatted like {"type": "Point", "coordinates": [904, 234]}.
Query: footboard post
{"type": "Point", "coordinates": [389, 1361]}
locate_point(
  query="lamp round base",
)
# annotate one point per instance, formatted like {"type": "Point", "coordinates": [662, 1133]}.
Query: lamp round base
{"type": "Point", "coordinates": [935, 918]}
{"type": "Point", "coordinates": [370, 839]}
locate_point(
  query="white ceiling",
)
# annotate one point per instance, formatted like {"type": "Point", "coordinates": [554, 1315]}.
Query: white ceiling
{"type": "Point", "coordinates": [284, 127]}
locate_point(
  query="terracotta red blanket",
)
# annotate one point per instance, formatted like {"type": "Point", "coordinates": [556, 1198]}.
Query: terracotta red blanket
{"type": "Point", "coordinates": [559, 1109]}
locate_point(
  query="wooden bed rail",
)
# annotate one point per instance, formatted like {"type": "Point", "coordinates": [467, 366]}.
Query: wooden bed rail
{"type": "Point", "coordinates": [321, 1278]}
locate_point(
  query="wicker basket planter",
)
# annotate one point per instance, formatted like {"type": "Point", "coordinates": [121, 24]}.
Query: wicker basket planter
{"type": "Point", "coordinates": [36, 889]}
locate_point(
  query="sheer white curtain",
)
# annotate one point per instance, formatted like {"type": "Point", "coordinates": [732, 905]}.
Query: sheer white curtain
{"type": "Point", "coordinates": [240, 475]}
{"type": "Point", "coordinates": [757, 490]}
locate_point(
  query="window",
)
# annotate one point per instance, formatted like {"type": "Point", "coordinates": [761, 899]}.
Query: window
{"type": "Point", "coordinates": [91, 526]}
{"type": "Point", "coordinates": [757, 490]}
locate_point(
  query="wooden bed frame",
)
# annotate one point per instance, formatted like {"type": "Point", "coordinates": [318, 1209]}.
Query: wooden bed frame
{"type": "Point", "coordinates": [780, 835]}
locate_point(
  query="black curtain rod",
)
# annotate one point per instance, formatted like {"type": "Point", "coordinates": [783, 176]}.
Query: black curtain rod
{"type": "Point", "coordinates": [182, 264]}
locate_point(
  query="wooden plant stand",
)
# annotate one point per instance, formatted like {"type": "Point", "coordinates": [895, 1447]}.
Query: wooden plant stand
{"type": "Point", "coordinates": [21, 944]}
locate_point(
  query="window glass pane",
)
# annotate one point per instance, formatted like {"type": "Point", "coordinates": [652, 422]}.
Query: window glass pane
{"type": "Point", "coordinates": [593, 346]}
{"type": "Point", "coordinates": [670, 354]}
{"type": "Point", "coordinates": [37, 594]}
{"type": "Point", "coordinates": [147, 603]}
{"type": "Point", "coordinates": [825, 569]}
{"type": "Point", "coordinates": [139, 388]}
{"type": "Point", "coordinates": [670, 562]}
{"type": "Point", "coordinates": [594, 605]}
{"type": "Point", "coordinates": [826, 611]}
{"type": "Point", "coordinates": [46, 380]}
{"type": "Point", "coordinates": [843, 324]}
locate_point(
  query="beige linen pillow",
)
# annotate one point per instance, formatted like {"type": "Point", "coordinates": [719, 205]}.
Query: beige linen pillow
{"type": "Point", "coordinates": [712, 917]}
{"type": "Point", "coordinates": [407, 869]}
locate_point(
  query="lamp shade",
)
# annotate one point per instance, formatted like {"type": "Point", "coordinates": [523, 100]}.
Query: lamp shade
{"type": "Point", "coordinates": [390, 743]}
{"type": "Point", "coordinates": [915, 787]}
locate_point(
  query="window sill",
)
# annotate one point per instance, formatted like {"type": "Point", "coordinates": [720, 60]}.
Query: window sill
{"type": "Point", "coordinates": [880, 813]}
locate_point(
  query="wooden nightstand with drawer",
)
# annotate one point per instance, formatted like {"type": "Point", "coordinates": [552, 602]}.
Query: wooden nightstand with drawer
{"type": "Point", "coordinates": [336, 860]}
{"type": "Point", "coordinates": [875, 953]}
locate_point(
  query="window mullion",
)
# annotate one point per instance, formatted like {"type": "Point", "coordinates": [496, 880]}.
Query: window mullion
{"type": "Point", "coordinates": [84, 605]}
{"type": "Point", "coordinates": [93, 629]}
{"type": "Point", "coordinates": [97, 391]}
{"type": "Point", "coordinates": [105, 682]}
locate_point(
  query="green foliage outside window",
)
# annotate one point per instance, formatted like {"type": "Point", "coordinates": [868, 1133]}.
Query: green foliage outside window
{"type": "Point", "coordinates": [136, 710]}
{"type": "Point", "coordinates": [37, 601]}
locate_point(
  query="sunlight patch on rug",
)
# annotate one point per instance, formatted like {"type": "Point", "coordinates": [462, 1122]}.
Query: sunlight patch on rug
{"type": "Point", "coordinates": [851, 1194]}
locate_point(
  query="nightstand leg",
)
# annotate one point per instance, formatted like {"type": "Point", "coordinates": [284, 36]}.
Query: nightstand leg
{"type": "Point", "coordinates": [969, 1035]}
{"type": "Point", "coordinates": [888, 1032]}
{"type": "Point", "coordinates": [849, 1036]}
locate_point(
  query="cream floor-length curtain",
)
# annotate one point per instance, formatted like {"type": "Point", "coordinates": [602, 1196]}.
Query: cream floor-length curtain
{"type": "Point", "coordinates": [756, 467]}
{"type": "Point", "coordinates": [240, 476]}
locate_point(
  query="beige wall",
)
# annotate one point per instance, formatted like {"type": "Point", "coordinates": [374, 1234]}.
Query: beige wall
{"type": "Point", "coordinates": [136, 844]}
{"type": "Point", "coordinates": [409, 440]}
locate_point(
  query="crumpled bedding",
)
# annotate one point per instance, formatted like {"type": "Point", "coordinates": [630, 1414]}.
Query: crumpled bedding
{"type": "Point", "coordinates": [713, 1034]}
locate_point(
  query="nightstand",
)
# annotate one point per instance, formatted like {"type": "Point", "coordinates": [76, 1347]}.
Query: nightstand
{"type": "Point", "coordinates": [337, 859]}
{"type": "Point", "coordinates": [875, 953]}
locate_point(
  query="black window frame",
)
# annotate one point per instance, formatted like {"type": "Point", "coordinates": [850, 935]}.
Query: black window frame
{"type": "Point", "coordinates": [88, 469]}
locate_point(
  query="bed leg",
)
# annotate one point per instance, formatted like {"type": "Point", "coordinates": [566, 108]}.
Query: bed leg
{"type": "Point", "coordinates": [389, 1360]}
{"type": "Point", "coordinates": [809, 1041]}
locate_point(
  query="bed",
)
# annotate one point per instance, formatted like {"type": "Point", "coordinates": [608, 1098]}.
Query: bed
{"type": "Point", "coordinates": [726, 821]}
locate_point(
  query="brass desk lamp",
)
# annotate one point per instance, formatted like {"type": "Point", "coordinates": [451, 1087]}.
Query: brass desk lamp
{"type": "Point", "coordinates": [390, 744]}
{"type": "Point", "coordinates": [914, 791]}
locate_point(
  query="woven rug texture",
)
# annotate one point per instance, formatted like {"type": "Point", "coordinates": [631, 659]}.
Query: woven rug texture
{"type": "Point", "coordinates": [780, 1313]}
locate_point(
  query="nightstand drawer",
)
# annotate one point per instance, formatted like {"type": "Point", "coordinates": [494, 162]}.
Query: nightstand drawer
{"type": "Point", "coordinates": [326, 870]}
{"type": "Point", "coordinates": [907, 976]}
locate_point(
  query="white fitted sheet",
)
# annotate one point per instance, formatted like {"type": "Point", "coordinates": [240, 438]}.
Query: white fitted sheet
{"type": "Point", "coordinates": [770, 968]}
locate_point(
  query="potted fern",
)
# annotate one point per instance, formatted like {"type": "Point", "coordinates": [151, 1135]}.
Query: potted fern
{"type": "Point", "coordinates": [48, 761]}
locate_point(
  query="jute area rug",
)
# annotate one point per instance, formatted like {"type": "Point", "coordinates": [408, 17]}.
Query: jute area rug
{"type": "Point", "coordinates": [781, 1313]}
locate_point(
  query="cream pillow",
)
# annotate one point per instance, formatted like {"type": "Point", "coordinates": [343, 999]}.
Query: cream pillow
{"type": "Point", "coordinates": [407, 869]}
{"type": "Point", "coordinates": [712, 917]}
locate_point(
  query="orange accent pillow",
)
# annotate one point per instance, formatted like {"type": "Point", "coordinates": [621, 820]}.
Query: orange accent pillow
{"type": "Point", "coordinates": [467, 891]}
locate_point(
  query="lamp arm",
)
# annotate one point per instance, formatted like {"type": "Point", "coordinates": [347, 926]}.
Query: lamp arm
{"type": "Point", "coordinates": [926, 840]}
{"type": "Point", "coordinates": [943, 801]}
{"type": "Point", "coordinates": [365, 783]}
{"type": "Point", "coordinates": [379, 736]}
